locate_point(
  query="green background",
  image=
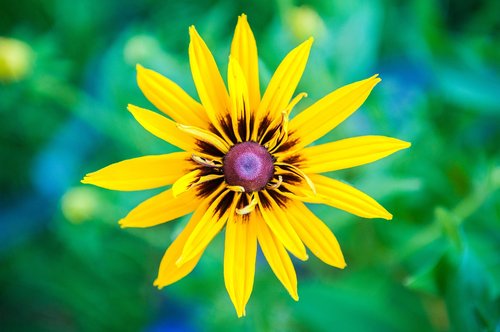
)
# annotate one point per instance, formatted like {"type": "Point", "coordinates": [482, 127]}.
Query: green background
{"type": "Point", "coordinates": [65, 265]}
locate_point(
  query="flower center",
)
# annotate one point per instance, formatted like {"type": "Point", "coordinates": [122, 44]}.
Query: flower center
{"type": "Point", "coordinates": [248, 165]}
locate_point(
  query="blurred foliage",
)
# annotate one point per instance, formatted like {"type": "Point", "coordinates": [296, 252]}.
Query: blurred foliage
{"type": "Point", "coordinates": [68, 73]}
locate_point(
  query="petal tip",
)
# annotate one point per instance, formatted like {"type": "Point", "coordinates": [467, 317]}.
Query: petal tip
{"type": "Point", "coordinates": [122, 223]}
{"type": "Point", "coordinates": [301, 253]}
{"type": "Point", "coordinates": [157, 284]}
{"type": "Point", "coordinates": [400, 144]}
{"type": "Point", "coordinates": [192, 31]}
{"type": "Point", "coordinates": [375, 78]}
{"type": "Point", "coordinates": [136, 109]}
{"type": "Point", "coordinates": [139, 67]}
{"type": "Point", "coordinates": [240, 310]}
{"type": "Point", "coordinates": [131, 108]}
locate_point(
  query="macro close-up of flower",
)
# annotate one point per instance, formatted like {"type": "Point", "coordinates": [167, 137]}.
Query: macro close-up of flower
{"type": "Point", "coordinates": [246, 167]}
{"type": "Point", "coordinates": [201, 165]}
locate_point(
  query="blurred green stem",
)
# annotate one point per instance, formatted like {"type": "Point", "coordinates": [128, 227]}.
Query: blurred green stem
{"type": "Point", "coordinates": [452, 220]}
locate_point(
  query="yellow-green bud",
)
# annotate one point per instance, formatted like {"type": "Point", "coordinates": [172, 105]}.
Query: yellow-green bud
{"type": "Point", "coordinates": [16, 59]}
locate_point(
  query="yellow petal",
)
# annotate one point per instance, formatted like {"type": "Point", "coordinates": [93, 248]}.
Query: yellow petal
{"type": "Point", "coordinates": [209, 83]}
{"type": "Point", "coordinates": [316, 235]}
{"type": "Point", "coordinates": [328, 112]}
{"type": "Point", "coordinates": [283, 83]}
{"type": "Point", "coordinates": [184, 183]}
{"type": "Point", "coordinates": [191, 180]}
{"type": "Point", "coordinates": [297, 191]}
{"type": "Point", "coordinates": [206, 229]}
{"type": "Point", "coordinates": [239, 260]}
{"type": "Point", "coordinates": [284, 168]}
{"type": "Point", "coordinates": [169, 98]}
{"type": "Point", "coordinates": [347, 198]}
{"type": "Point", "coordinates": [277, 257]}
{"type": "Point", "coordinates": [163, 128]}
{"type": "Point", "coordinates": [253, 201]}
{"type": "Point", "coordinates": [244, 51]}
{"type": "Point", "coordinates": [206, 136]}
{"type": "Point", "coordinates": [277, 221]}
{"type": "Point", "coordinates": [160, 209]}
{"type": "Point", "coordinates": [141, 173]}
{"type": "Point", "coordinates": [348, 153]}
{"type": "Point", "coordinates": [169, 272]}
{"type": "Point", "coordinates": [295, 101]}
{"type": "Point", "coordinates": [238, 91]}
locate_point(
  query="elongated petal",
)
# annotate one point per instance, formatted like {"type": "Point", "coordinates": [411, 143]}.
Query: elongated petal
{"type": "Point", "coordinates": [277, 221]}
{"type": "Point", "coordinates": [284, 82]}
{"type": "Point", "coordinates": [348, 153]}
{"type": "Point", "coordinates": [206, 136]}
{"type": "Point", "coordinates": [141, 173]}
{"type": "Point", "coordinates": [244, 50]}
{"type": "Point", "coordinates": [163, 128]}
{"type": "Point", "coordinates": [239, 260]}
{"type": "Point", "coordinates": [284, 168]}
{"type": "Point", "coordinates": [316, 235]}
{"type": "Point", "coordinates": [169, 98]}
{"type": "Point", "coordinates": [238, 91]}
{"type": "Point", "coordinates": [328, 112]}
{"type": "Point", "coordinates": [185, 182]}
{"type": "Point", "coordinates": [206, 229]}
{"type": "Point", "coordinates": [277, 257]}
{"type": "Point", "coordinates": [169, 272]}
{"type": "Point", "coordinates": [160, 209]}
{"type": "Point", "coordinates": [208, 81]}
{"type": "Point", "coordinates": [345, 197]}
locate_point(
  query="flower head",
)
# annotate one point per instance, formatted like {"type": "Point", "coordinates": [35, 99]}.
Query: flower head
{"type": "Point", "coordinates": [246, 167]}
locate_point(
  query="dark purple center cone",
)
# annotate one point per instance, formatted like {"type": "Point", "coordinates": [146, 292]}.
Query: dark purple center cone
{"type": "Point", "coordinates": [248, 165]}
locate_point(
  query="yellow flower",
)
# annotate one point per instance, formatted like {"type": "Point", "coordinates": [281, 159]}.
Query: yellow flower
{"type": "Point", "coordinates": [246, 166]}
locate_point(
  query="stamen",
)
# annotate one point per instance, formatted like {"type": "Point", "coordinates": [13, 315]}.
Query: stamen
{"type": "Point", "coordinates": [295, 101]}
{"type": "Point", "coordinates": [295, 170]}
{"type": "Point", "coordinates": [275, 185]}
{"type": "Point", "coordinates": [207, 178]}
{"type": "Point", "coordinates": [250, 207]}
{"type": "Point", "coordinates": [205, 162]}
{"type": "Point", "coordinates": [282, 136]}
{"type": "Point", "coordinates": [238, 189]}
{"type": "Point", "coordinates": [284, 122]}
